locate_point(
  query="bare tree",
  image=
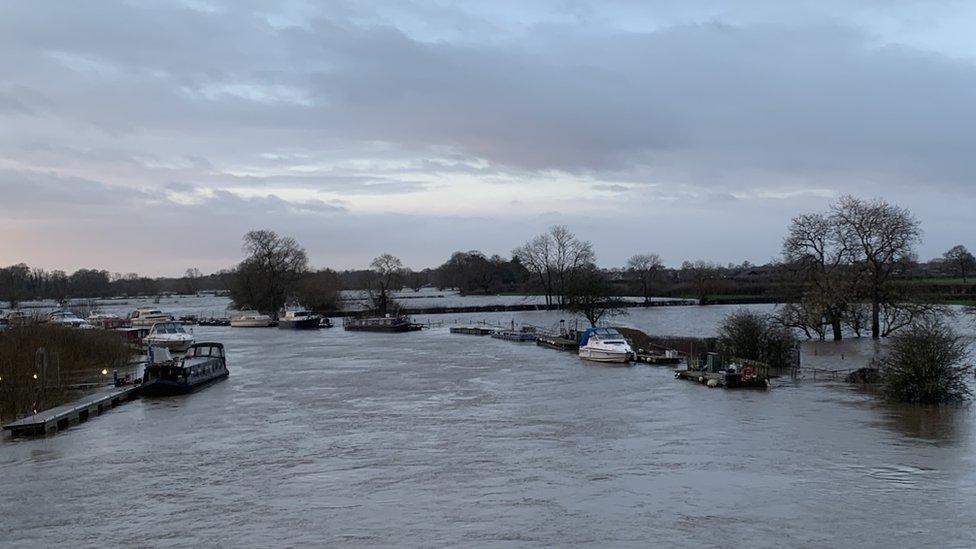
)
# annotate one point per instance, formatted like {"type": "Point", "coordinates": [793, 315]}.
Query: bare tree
{"type": "Point", "coordinates": [537, 256]}
{"type": "Point", "coordinates": [388, 271]}
{"type": "Point", "coordinates": [571, 255]}
{"type": "Point", "coordinates": [883, 238]}
{"type": "Point", "coordinates": [270, 271]}
{"type": "Point", "coordinates": [961, 260]}
{"type": "Point", "coordinates": [589, 294]}
{"type": "Point", "coordinates": [190, 279]}
{"type": "Point", "coordinates": [701, 273]}
{"type": "Point", "coordinates": [554, 257]}
{"type": "Point", "coordinates": [817, 255]}
{"type": "Point", "coordinates": [646, 267]}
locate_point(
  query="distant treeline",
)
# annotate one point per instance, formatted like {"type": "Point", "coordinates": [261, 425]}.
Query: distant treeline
{"type": "Point", "coordinates": [821, 269]}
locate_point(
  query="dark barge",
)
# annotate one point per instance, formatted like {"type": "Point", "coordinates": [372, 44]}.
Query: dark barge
{"type": "Point", "coordinates": [387, 324]}
{"type": "Point", "coordinates": [203, 363]}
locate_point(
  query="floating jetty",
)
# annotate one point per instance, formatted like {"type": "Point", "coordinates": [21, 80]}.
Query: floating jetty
{"type": "Point", "coordinates": [557, 342]}
{"type": "Point", "coordinates": [666, 358]}
{"type": "Point", "coordinates": [61, 417]}
{"type": "Point", "coordinates": [525, 334]}
{"type": "Point", "coordinates": [472, 330]}
{"type": "Point", "coordinates": [727, 380]}
{"type": "Point", "coordinates": [741, 374]}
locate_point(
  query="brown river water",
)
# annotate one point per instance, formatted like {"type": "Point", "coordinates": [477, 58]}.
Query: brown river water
{"type": "Point", "coordinates": [432, 439]}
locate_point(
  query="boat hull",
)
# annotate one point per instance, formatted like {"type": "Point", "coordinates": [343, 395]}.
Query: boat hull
{"type": "Point", "coordinates": [601, 355]}
{"type": "Point", "coordinates": [385, 329]}
{"type": "Point", "coordinates": [167, 387]}
{"type": "Point", "coordinates": [250, 323]}
{"type": "Point", "coordinates": [172, 345]}
{"type": "Point", "coordinates": [308, 323]}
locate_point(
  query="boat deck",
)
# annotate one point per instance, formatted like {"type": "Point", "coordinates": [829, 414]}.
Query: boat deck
{"type": "Point", "coordinates": [556, 342]}
{"type": "Point", "coordinates": [61, 417]}
{"type": "Point", "coordinates": [472, 330]}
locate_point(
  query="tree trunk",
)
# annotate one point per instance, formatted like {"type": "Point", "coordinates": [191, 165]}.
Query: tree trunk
{"type": "Point", "coordinates": [875, 319]}
{"type": "Point", "coordinates": [835, 324]}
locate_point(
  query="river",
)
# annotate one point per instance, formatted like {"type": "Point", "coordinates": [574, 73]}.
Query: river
{"type": "Point", "coordinates": [432, 439]}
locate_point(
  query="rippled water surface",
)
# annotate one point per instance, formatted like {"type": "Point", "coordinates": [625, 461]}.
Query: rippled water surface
{"type": "Point", "coordinates": [433, 439]}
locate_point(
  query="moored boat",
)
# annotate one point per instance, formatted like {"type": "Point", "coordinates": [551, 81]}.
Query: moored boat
{"type": "Point", "coordinates": [381, 324]}
{"type": "Point", "coordinates": [202, 364]}
{"type": "Point", "coordinates": [147, 316]}
{"type": "Point", "coordinates": [68, 319]}
{"type": "Point", "coordinates": [604, 345]}
{"type": "Point", "coordinates": [298, 318]}
{"type": "Point", "coordinates": [251, 319]}
{"type": "Point", "coordinates": [170, 335]}
{"type": "Point", "coordinates": [107, 321]}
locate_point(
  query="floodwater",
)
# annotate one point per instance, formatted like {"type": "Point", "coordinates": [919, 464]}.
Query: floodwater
{"type": "Point", "coordinates": [432, 439]}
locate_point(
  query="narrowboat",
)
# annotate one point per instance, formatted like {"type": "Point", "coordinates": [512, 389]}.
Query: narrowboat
{"type": "Point", "coordinates": [203, 363]}
{"type": "Point", "coordinates": [381, 324]}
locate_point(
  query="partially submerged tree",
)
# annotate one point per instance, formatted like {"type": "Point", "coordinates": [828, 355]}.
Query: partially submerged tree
{"type": "Point", "coordinates": [883, 238]}
{"type": "Point", "coordinates": [818, 257]}
{"type": "Point", "coordinates": [589, 295]}
{"type": "Point", "coordinates": [319, 290]}
{"type": "Point", "coordinates": [387, 273]}
{"type": "Point", "coordinates": [961, 261]}
{"type": "Point", "coordinates": [646, 267]}
{"type": "Point", "coordinates": [270, 271]}
{"type": "Point", "coordinates": [925, 364]}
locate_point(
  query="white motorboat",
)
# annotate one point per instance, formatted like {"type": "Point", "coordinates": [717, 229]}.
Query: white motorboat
{"type": "Point", "coordinates": [147, 316]}
{"type": "Point", "coordinates": [251, 319]}
{"type": "Point", "coordinates": [68, 319]}
{"type": "Point", "coordinates": [169, 335]}
{"type": "Point", "coordinates": [604, 345]}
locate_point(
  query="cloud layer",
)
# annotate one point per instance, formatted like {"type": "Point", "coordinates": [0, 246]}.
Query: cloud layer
{"type": "Point", "coordinates": [419, 129]}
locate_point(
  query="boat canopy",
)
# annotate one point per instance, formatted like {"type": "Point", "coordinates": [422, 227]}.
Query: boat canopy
{"type": "Point", "coordinates": [208, 349]}
{"type": "Point", "coordinates": [599, 333]}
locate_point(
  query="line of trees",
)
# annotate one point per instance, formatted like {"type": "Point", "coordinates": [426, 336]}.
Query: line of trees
{"type": "Point", "coordinates": [845, 270]}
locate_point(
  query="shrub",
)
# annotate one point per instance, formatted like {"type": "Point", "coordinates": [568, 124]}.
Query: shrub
{"type": "Point", "coordinates": [755, 336]}
{"type": "Point", "coordinates": [925, 365]}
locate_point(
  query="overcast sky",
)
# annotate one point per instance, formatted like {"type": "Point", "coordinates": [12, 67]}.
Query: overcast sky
{"type": "Point", "coordinates": [150, 135]}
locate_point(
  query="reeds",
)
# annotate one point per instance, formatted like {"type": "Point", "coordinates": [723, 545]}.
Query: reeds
{"type": "Point", "coordinates": [40, 363]}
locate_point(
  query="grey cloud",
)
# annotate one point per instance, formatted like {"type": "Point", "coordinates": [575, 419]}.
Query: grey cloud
{"type": "Point", "coordinates": [100, 103]}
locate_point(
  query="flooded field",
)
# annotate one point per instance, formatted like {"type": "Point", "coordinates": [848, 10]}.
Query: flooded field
{"type": "Point", "coordinates": [433, 439]}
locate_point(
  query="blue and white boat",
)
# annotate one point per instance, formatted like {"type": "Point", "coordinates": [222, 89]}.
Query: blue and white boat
{"type": "Point", "coordinates": [604, 345]}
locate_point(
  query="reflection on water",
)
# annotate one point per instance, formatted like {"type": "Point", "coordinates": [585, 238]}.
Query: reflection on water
{"type": "Point", "coordinates": [935, 424]}
{"type": "Point", "coordinates": [432, 439]}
